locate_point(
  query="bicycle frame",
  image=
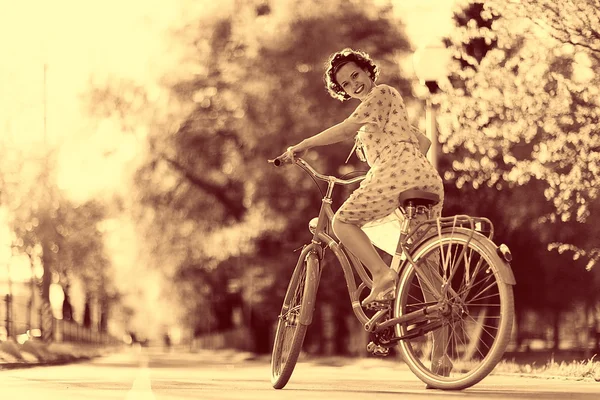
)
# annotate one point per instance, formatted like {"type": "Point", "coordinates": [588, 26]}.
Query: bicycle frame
{"type": "Point", "coordinates": [348, 261]}
{"type": "Point", "coordinates": [450, 257]}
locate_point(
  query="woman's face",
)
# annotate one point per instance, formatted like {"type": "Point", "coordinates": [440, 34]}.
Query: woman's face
{"type": "Point", "coordinates": [354, 80]}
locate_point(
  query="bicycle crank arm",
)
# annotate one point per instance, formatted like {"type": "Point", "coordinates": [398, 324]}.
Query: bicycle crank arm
{"type": "Point", "coordinates": [371, 324]}
{"type": "Point", "coordinates": [413, 333]}
{"type": "Point", "coordinates": [391, 342]}
{"type": "Point", "coordinates": [410, 317]}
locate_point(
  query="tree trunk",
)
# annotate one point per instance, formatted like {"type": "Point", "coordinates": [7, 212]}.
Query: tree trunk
{"type": "Point", "coordinates": [104, 309]}
{"type": "Point", "coordinates": [46, 233]}
{"type": "Point", "coordinates": [67, 309]}
{"type": "Point", "coordinates": [342, 332]}
{"type": "Point", "coordinates": [595, 331]}
{"type": "Point", "coordinates": [260, 330]}
{"type": "Point", "coordinates": [47, 277]}
{"type": "Point", "coordinates": [329, 329]}
{"type": "Point", "coordinates": [519, 318]}
{"type": "Point", "coordinates": [556, 329]}
{"type": "Point", "coordinates": [87, 315]}
{"type": "Point", "coordinates": [587, 329]}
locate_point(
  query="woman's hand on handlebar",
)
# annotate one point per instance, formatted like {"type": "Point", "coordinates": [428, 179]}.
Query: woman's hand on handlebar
{"type": "Point", "coordinates": [295, 151]}
{"type": "Point", "coordinates": [289, 156]}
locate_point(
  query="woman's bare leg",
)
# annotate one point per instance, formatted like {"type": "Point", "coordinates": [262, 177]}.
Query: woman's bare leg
{"type": "Point", "coordinates": [356, 240]}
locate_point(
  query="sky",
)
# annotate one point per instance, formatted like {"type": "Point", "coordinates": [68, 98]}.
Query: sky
{"type": "Point", "coordinates": [57, 48]}
{"type": "Point", "coordinates": [50, 52]}
{"type": "Point", "coordinates": [76, 42]}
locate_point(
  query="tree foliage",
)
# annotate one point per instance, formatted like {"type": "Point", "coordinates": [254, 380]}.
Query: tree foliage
{"type": "Point", "coordinates": [63, 237]}
{"type": "Point", "coordinates": [528, 110]}
{"type": "Point", "coordinates": [219, 219]}
{"type": "Point", "coordinates": [519, 140]}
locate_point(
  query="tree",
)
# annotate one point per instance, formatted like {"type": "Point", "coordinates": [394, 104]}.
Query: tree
{"type": "Point", "coordinates": [214, 210]}
{"type": "Point", "coordinates": [519, 124]}
{"type": "Point", "coordinates": [289, 59]}
{"type": "Point", "coordinates": [529, 112]}
{"type": "Point", "coordinates": [53, 231]}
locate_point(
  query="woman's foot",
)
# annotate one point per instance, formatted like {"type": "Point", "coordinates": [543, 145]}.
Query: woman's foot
{"type": "Point", "coordinates": [384, 288]}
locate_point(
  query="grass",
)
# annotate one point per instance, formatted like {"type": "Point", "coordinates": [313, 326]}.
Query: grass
{"type": "Point", "coordinates": [585, 369]}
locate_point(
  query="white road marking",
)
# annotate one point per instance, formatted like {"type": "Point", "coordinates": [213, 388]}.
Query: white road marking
{"type": "Point", "coordinates": [142, 387]}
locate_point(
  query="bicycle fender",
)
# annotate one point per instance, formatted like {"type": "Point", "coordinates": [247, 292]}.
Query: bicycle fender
{"type": "Point", "coordinates": [506, 273]}
{"type": "Point", "coordinates": [310, 290]}
{"type": "Point", "coordinates": [504, 268]}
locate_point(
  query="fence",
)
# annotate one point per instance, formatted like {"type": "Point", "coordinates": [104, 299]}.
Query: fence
{"type": "Point", "coordinates": [16, 317]}
{"type": "Point", "coordinates": [233, 339]}
{"type": "Point", "coordinates": [19, 319]}
{"type": "Point", "coordinates": [70, 331]}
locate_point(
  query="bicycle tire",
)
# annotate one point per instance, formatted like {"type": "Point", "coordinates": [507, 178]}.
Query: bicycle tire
{"type": "Point", "coordinates": [299, 301]}
{"type": "Point", "coordinates": [496, 299]}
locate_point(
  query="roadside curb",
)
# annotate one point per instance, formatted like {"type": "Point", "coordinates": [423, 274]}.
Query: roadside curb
{"type": "Point", "coordinates": [36, 354]}
{"type": "Point", "coordinates": [546, 376]}
{"type": "Point", "coordinates": [23, 365]}
{"type": "Point", "coordinates": [373, 362]}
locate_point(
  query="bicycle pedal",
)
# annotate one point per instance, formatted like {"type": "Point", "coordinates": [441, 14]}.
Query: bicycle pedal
{"type": "Point", "coordinates": [378, 305]}
{"type": "Point", "coordinates": [377, 350]}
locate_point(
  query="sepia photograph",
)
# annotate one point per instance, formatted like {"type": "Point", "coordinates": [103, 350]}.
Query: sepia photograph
{"type": "Point", "coordinates": [299, 199]}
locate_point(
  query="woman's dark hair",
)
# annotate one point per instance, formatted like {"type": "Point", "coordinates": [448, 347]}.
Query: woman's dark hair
{"type": "Point", "coordinates": [340, 58]}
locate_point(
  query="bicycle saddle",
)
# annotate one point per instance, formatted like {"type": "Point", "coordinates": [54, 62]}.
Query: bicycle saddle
{"type": "Point", "coordinates": [418, 198]}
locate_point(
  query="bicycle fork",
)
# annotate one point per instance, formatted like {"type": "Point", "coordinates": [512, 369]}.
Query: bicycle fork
{"type": "Point", "coordinates": [311, 255]}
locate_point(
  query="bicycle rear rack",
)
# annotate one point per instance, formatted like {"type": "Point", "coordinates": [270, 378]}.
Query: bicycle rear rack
{"type": "Point", "coordinates": [431, 227]}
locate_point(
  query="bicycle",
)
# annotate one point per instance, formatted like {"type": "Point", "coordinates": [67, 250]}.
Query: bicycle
{"type": "Point", "coordinates": [453, 312]}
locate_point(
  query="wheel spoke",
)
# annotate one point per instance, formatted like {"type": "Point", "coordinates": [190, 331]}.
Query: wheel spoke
{"type": "Point", "coordinates": [483, 326]}
{"type": "Point", "coordinates": [491, 285]}
{"type": "Point", "coordinates": [464, 293]}
{"type": "Point", "coordinates": [483, 298]}
{"type": "Point", "coordinates": [476, 346]}
{"type": "Point", "coordinates": [472, 276]}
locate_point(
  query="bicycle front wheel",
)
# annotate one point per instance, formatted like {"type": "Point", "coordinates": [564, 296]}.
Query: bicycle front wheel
{"type": "Point", "coordinates": [460, 345]}
{"type": "Point", "coordinates": [295, 316]}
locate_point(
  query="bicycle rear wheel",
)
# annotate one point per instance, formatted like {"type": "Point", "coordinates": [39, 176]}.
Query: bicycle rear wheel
{"type": "Point", "coordinates": [295, 316]}
{"type": "Point", "coordinates": [461, 345]}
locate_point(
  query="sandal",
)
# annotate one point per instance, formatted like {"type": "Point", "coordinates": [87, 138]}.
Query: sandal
{"type": "Point", "coordinates": [385, 292]}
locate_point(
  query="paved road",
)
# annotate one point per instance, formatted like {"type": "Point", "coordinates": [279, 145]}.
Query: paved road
{"type": "Point", "coordinates": [155, 375]}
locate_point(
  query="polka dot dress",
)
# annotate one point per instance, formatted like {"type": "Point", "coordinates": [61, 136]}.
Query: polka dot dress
{"type": "Point", "coordinates": [391, 149]}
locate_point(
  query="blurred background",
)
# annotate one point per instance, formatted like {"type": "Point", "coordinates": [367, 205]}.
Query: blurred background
{"type": "Point", "coordinates": [136, 202]}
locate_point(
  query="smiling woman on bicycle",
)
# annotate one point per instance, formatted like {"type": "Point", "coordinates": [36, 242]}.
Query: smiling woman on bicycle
{"type": "Point", "coordinates": [394, 151]}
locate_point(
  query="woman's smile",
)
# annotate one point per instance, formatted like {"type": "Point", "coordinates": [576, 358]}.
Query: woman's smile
{"type": "Point", "coordinates": [354, 80]}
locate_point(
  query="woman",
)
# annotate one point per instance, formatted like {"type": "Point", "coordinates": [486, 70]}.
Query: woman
{"type": "Point", "coordinates": [394, 151]}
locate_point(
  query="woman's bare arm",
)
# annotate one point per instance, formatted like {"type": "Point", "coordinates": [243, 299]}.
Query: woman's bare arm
{"type": "Point", "coordinates": [337, 133]}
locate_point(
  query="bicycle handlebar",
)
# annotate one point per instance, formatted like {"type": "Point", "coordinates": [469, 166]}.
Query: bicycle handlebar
{"type": "Point", "coordinates": [278, 162]}
{"type": "Point", "coordinates": [281, 160]}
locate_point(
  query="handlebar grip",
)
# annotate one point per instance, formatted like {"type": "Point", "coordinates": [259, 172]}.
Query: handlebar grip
{"type": "Point", "coordinates": [278, 162]}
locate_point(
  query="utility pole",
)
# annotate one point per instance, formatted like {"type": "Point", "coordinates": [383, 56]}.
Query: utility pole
{"type": "Point", "coordinates": [431, 65]}
{"type": "Point", "coordinates": [45, 104]}
{"type": "Point", "coordinates": [45, 224]}
{"type": "Point", "coordinates": [47, 319]}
